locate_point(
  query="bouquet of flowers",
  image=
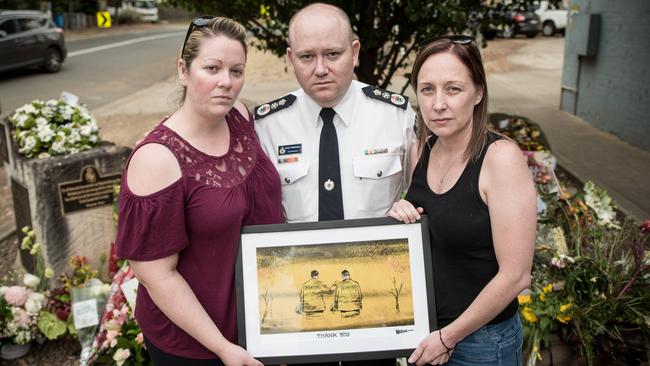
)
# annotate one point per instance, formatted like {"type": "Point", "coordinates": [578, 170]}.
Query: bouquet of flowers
{"type": "Point", "coordinates": [120, 339]}
{"type": "Point", "coordinates": [53, 127]}
{"type": "Point", "coordinates": [59, 305]}
{"type": "Point", "coordinates": [20, 308]}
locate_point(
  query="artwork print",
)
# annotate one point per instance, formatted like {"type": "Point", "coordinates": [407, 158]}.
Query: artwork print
{"type": "Point", "coordinates": [347, 285]}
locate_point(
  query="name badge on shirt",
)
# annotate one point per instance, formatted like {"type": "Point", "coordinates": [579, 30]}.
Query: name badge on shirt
{"type": "Point", "coordinates": [289, 149]}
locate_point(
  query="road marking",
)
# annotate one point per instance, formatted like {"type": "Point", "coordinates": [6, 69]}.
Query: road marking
{"type": "Point", "coordinates": [123, 43]}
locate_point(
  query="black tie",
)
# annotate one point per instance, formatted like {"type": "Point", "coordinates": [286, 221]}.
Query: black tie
{"type": "Point", "coordinates": [330, 199]}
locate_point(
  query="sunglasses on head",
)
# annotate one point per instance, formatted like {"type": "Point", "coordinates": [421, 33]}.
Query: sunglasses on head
{"type": "Point", "coordinates": [196, 23]}
{"type": "Point", "coordinates": [455, 38]}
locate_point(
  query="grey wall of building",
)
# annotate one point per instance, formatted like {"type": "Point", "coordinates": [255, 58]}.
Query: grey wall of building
{"type": "Point", "coordinates": [611, 88]}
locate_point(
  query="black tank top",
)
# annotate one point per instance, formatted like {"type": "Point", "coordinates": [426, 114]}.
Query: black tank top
{"type": "Point", "coordinates": [461, 237]}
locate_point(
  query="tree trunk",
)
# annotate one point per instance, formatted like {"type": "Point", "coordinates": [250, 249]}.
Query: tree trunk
{"type": "Point", "coordinates": [365, 71]}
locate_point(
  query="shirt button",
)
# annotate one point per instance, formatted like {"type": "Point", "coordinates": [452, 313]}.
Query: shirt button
{"type": "Point", "coordinates": [379, 173]}
{"type": "Point", "coordinates": [286, 179]}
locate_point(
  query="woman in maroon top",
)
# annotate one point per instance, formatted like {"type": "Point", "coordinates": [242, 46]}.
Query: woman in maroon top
{"type": "Point", "coordinates": [189, 187]}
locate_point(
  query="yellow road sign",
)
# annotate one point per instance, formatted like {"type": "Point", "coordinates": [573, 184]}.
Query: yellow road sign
{"type": "Point", "coordinates": [103, 19]}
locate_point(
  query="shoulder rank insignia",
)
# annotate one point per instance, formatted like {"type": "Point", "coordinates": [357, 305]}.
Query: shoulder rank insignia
{"type": "Point", "coordinates": [398, 100]}
{"type": "Point", "coordinates": [274, 106]}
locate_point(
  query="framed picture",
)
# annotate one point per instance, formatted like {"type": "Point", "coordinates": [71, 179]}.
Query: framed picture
{"type": "Point", "coordinates": [334, 290]}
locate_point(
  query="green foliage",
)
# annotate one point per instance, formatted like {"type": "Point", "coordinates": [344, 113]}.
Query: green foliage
{"type": "Point", "coordinates": [389, 31]}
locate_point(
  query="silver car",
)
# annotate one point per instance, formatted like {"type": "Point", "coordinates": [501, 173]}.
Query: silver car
{"type": "Point", "coordinates": [30, 38]}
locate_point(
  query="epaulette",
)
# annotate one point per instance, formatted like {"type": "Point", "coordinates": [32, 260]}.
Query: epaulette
{"type": "Point", "coordinates": [273, 106]}
{"type": "Point", "coordinates": [398, 100]}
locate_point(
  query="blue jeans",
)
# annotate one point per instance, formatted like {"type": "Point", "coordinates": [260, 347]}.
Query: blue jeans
{"type": "Point", "coordinates": [495, 344]}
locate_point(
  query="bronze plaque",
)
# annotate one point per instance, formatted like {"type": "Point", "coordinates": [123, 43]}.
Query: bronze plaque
{"type": "Point", "coordinates": [90, 191]}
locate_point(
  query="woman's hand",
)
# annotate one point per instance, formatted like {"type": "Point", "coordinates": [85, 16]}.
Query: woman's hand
{"type": "Point", "coordinates": [234, 355]}
{"type": "Point", "coordinates": [404, 211]}
{"type": "Point", "coordinates": [431, 351]}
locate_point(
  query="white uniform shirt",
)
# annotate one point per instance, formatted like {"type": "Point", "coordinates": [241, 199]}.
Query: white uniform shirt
{"type": "Point", "coordinates": [373, 136]}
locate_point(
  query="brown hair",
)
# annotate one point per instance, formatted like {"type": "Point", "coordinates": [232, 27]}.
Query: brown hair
{"type": "Point", "coordinates": [217, 26]}
{"type": "Point", "coordinates": [470, 56]}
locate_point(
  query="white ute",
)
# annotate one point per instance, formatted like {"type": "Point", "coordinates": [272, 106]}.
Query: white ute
{"type": "Point", "coordinates": [552, 17]}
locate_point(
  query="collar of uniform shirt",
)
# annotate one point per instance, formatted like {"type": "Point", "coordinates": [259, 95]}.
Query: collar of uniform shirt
{"type": "Point", "coordinates": [344, 110]}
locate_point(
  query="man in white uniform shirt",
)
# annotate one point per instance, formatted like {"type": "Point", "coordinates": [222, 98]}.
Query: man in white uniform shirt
{"type": "Point", "coordinates": [340, 146]}
{"type": "Point", "coordinates": [360, 168]}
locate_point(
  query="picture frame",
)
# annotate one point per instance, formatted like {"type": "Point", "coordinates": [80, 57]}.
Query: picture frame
{"type": "Point", "coordinates": [327, 291]}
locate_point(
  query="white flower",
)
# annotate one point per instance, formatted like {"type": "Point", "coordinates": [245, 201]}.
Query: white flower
{"type": "Point", "coordinates": [40, 121]}
{"type": "Point", "coordinates": [35, 303]}
{"type": "Point", "coordinates": [29, 109]}
{"type": "Point", "coordinates": [599, 201]}
{"type": "Point", "coordinates": [28, 144]}
{"type": "Point", "coordinates": [44, 132]}
{"type": "Point", "coordinates": [20, 120]}
{"type": "Point", "coordinates": [74, 136]}
{"type": "Point", "coordinates": [121, 355]}
{"type": "Point", "coordinates": [59, 146]}
{"type": "Point", "coordinates": [47, 112]}
{"type": "Point", "coordinates": [30, 280]}
{"type": "Point", "coordinates": [93, 138]}
{"type": "Point", "coordinates": [2, 290]}
{"type": "Point", "coordinates": [86, 130]}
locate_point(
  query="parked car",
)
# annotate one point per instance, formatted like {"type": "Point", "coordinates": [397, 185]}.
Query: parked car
{"type": "Point", "coordinates": [30, 38]}
{"type": "Point", "coordinates": [147, 10]}
{"type": "Point", "coordinates": [512, 19]}
{"type": "Point", "coordinates": [553, 17]}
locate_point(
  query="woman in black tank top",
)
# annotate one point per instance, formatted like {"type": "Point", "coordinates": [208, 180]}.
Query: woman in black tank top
{"type": "Point", "coordinates": [479, 198]}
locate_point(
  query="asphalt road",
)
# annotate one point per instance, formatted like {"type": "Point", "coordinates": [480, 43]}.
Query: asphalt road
{"type": "Point", "coordinates": [99, 70]}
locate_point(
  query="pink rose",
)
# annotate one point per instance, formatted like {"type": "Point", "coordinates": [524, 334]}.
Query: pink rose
{"type": "Point", "coordinates": [139, 338]}
{"type": "Point", "coordinates": [16, 295]}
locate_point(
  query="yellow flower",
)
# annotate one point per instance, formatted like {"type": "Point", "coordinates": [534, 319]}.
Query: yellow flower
{"type": "Point", "coordinates": [565, 307]}
{"type": "Point", "coordinates": [542, 296]}
{"type": "Point", "coordinates": [529, 315]}
{"type": "Point", "coordinates": [547, 288]}
{"type": "Point", "coordinates": [49, 272]}
{"type": "Point", "coordinates": [524, 299]}
{"type": "Point", "coordinates": [563, 318]}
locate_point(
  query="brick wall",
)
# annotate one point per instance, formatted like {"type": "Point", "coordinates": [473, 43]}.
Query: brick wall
{"type": "Point", "coordinates": [613, 87]}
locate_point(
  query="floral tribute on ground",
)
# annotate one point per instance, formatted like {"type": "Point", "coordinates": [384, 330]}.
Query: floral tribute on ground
{"type": "Point", "coordinates": [591, 272]}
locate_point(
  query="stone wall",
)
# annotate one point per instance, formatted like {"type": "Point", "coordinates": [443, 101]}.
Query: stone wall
{"type": "Point", "coordinates": [66, 200]}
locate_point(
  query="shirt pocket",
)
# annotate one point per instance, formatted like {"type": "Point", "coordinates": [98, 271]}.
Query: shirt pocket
{"type": "Point", "coordinates": [296, 198]}
{"type": "Point", "coordinates": [378, 180]}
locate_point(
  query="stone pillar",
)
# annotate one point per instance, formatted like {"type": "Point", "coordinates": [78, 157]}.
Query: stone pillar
{"type": "Point", "coordinates": [65, 199]}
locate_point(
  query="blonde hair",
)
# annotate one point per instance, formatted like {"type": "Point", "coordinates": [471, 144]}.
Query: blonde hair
{"type": "Point", "coordinates": [217, 26]}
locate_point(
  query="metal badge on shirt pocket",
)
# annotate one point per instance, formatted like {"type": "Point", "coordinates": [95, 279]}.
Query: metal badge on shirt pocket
{"type": "Point", "coordinates": [284, 150]}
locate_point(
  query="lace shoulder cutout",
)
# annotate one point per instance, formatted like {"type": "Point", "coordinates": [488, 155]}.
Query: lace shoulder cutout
{"type": "Point", "coordinates": [224, 171]}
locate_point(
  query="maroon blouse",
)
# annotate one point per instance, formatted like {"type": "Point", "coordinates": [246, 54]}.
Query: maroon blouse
{"type": "Point", "coordinates": [199, 217]}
